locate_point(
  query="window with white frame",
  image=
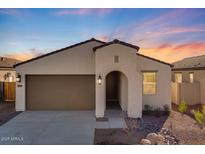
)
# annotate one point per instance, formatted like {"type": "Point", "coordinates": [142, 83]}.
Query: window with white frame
{"type": "Point", "coordinates": [178, 77]}
{"type": "Point", "coordinates": [149, 82]}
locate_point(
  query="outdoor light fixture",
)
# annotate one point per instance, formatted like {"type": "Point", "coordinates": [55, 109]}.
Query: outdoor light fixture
{"type": "Point", "coordinates": [18, 78]}
{"type": "Point", "coordinates": [99, 80]}
{"type": "Point", "coordinates": [10, 78]}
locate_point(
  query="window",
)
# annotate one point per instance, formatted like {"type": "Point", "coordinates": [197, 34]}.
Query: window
{"type": "Point", "coordinates": [178, 77]}
{"type": "Point", "coordinates": [191, 77]}
{"type": "Point", "coordinates": [149, 82]}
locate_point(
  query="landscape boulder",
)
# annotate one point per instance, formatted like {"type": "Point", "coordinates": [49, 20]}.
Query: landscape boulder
{"type": "Point", "coordinates": [152, 137]}
{"type": "Point", "coordinates": [155, 138]}
{"type": "Point", "coordinates": [145, 142]}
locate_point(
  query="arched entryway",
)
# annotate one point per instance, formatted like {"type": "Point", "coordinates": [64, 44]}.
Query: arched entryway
{"type": "Point", "coordinates": [116, 91]}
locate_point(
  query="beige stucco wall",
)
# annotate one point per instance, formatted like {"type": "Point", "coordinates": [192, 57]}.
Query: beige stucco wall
{"type": "Point", "coordinates": [163, 94]}
{"type": "Point", "coordinates": [199, 76]}
{"type": "Point", "coordinates": [5, 71]}
{"type": "Point", "coordinates": [185, 91]}
{"type": "Point", "coordinates": [175, 93]}
{"type": "Point", "coordinates": [123, 92]}
{"type": "Point", "coordinates": [76, 60]}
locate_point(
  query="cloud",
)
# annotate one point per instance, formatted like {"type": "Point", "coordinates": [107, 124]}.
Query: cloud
{"type": "Point", "coordinates": [84, 11]}
{"type": "Point", "coordinates": [103, 38]}
{"type": "Point", "coordinates": [26, 55]}
{"type": "Point", "coordinates": [173, 52]}
{"type": "Point", "coordinates": [13, 43]}
{"type": "Point", "coordinates": [152, 29]}
{"type": "Point", "coordinates": [163, 19]}
{"type": "Point", "coordinates": [12, 12]}
{"type": "Point", "coordinates": [174, 30]}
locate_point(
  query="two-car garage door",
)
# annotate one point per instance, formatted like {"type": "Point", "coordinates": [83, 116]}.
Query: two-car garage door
{"type": "Point", "coordinates": [60, 92]}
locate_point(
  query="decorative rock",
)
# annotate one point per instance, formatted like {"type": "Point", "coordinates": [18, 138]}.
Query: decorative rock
{"type": "Point", "coordinates": [160, 139]}
{"type": "Point", "coordinates": [145, 142]}
{"type": "Point", "coordinates": [152, 137]}
{"type": "Point", "coordinates": [163, 136]}
{"type": "Point", "coordinates": [169, 138]}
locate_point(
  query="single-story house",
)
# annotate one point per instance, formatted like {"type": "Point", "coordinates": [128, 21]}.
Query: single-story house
{"type": "Point", "coordinates": [7, 78]}
{"type": "Point", "coordinates": [93, 75]}
{"type": "Point", "coordinates": [188, 76]}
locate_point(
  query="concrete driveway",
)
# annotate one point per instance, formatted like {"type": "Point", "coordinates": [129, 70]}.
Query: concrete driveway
{"type": "Point", "coordinates": [54, 127]}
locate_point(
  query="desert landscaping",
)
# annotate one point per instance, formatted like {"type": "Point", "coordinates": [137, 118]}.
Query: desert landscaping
{"type": "Point", "coordinates": [173, 129]}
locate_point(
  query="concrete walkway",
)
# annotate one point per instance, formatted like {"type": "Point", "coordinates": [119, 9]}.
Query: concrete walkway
{"type": "Point", "coordinates": [55, 127]}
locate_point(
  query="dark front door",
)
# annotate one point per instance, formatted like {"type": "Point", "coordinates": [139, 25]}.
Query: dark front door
{"type": "Point", "coordinates": [112, 90]}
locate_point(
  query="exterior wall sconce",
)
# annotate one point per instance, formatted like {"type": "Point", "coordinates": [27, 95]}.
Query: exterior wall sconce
{"type": "Point", "coordinates": [99, 80]}
{"type": "Point", "coordinates": [18, 78]}
{"type": "Point", "coordinates": [10, 78]}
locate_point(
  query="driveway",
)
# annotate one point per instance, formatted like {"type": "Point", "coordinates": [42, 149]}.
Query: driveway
{"type": "Point", "coordinates": [54, 127]}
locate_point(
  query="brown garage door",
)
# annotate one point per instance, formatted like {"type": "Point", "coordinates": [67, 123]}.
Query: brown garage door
{"type": "Point", "coordinates": [60, 92]}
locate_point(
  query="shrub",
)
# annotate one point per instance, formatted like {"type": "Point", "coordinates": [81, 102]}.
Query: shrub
{"type": "Point", "coordinates": [203, 109]}
{"type": "Point", "coordinates": [166, 109]}
{"type": "Point", "coordinates": [199, 117]}
{"type": "Point", "coordinates": [147, 109]}
{"type": "Point", "coordinates": [158, 112]}
{"type": "Point", "coordinates": [182, 107]}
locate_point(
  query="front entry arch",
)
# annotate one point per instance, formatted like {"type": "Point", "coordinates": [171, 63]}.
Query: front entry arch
{"type": "Point", "coordinates": [116, 95]}
{"type": "Point", "coordinates": [117, 57]}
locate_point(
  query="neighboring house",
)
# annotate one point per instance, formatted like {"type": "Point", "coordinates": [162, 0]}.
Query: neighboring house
{"type": "Point", "coordinates": [93, 75]}
{"type": "Point", "coordinates": [188, 76]}
{"type": "Point", "coordinates": [7, 79]}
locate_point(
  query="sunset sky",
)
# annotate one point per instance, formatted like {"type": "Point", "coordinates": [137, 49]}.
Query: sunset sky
{"type": "Point", "coordinates": [165, 34]}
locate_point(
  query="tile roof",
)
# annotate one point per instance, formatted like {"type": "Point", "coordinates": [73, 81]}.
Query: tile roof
{"type": "Point", "coordinates": [116, 41]}
{"type": "Point", "coordinates": [7, 62]}
{"type": "Point", "coordinates": [197, 62]}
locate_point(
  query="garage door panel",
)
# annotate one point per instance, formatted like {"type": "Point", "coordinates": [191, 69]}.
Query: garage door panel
{"type": "Point", "coordinates": [60, 92]}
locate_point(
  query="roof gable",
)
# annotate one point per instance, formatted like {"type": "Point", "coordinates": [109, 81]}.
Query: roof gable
{"type": "Point", "coordinates": [8, 62]}
{"type": "Point", "coordinates": [57, 51]}
{"type": "Point", "coordinates": [159, 61]}
{"type": "Point", "coordinates": [195, 63]}
{"type": "Point", "coordinates": [116, 42]}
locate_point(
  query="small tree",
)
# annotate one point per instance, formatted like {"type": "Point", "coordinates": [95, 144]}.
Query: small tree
{"type": "Point", "coordinates": [182, 107]}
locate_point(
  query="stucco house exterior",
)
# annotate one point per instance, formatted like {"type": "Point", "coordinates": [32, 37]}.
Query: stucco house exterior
{"type": "Point", "coordinates": [7, 72]}
{"type": "Point", "coordinates": [188, 76]}
{"type": "Point", "coordinates": [7, 78]}
{"type": "Point", "coordinates": [93, 75]}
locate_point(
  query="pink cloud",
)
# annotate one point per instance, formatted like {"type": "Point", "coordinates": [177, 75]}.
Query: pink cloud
{"type": "Point", "coordinates": [84, 11]}
{"type": "Point", "coordinates": [103, 38]}
{"type": "Point", "coordinates": [191, 46]}
{"type": "Point", "coordinates": [173, 52]}
{"type": "Point", "coordinates": [162, 19]}
{"type": "Point", "coordinates": [142, 31]}
{"type": "Point", "coordinates": [175, 30]}
{"type": "Point", "coordinates": [26, 55]}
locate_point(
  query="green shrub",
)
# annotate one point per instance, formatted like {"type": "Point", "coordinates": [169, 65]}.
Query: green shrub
{"type": "Point", "coordinates": [203, 109]}
{"type": "Point", "coordinates": [182, 107]}
{"type": "Point", "coordinates": [158, 112]}
{"type": "Point", "coordinates": [147, 109]}
{"type": "Point", "coordinates": [166, 109]}
{"type": "Point", "coordinates": [199, 117]}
